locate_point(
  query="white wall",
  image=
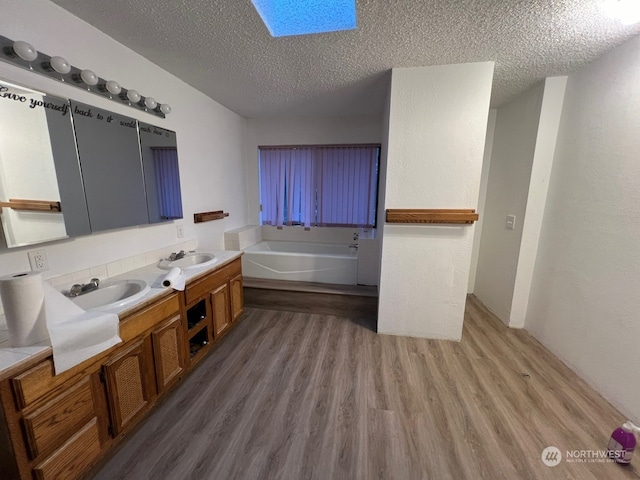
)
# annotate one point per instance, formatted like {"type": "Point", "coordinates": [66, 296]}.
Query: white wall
{"type": "Point", "coordinates": [382, 175]}
{"type": "Point", "coordinates": [301, 131]}
{"type": "Point", "coordinates": [585, 299]}
{"type": "Point", "coordinates": [550, 113]}
{"type": "Point", "coordinates": [437, 126]}
{"type": "Point", "coordinates": [482, 198]}
{"type": "Point", "coordinates": [210, 137]}
{"type": "Point", "coordinates": [512, 157]}
{"type": "Point", "coordinates": [522, 157]}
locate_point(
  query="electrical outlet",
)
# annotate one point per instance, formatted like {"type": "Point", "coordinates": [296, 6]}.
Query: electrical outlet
{"type": "Point", "coordinates": [180, 231]}
{"type": "Point", "coordinates": [38, 260]}
{"type": "Point", "coordinates": [511, 222]}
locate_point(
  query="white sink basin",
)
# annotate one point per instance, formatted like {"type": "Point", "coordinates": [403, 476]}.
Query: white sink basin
{"type": "Point", "coordinates": [190, 260]}
{"type": "Point", "coordinates": [112, 294]}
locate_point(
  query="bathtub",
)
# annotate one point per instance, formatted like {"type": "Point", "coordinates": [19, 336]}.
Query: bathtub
{"type": "Point", "coordinates": [302, 262]}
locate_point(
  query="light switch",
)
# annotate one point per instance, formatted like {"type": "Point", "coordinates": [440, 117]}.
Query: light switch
{"type": "Point", "coordinates": [511, 222]}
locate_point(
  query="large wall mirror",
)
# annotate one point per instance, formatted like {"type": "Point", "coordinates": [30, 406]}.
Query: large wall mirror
{"type": "Point", "coordinates": [69, 169]}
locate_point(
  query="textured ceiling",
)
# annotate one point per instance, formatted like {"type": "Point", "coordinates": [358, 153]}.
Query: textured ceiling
{"type": "Point", "coordinates": [222, 48]}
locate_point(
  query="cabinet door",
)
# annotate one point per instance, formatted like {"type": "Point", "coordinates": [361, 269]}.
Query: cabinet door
{"type": "Point", "coordinates": [167, 353]}
{"type": "Point", "coordinates": [109, 152]}
{"type": "Point", "coordinates": [130, 390]}
{"type": "Point", "coordinates": [221, 310]}
{"type": "Point", "coordinates": [237, 297]}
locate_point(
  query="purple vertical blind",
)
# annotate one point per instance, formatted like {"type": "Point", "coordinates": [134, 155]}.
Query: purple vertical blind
{"type": "Point", "coordinates": [165, 160]}
{"type": "Point", "coordinates": [320, 186]}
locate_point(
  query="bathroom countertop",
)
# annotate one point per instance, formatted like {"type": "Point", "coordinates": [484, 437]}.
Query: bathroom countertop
{"type": "Point", "coordinates": [12, 359]}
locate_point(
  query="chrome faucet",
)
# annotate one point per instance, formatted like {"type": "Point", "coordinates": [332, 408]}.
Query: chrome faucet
{"type": "Point", "coordinates": [78, 289]}
{"type": "Point", "coordinates": [177, 255]}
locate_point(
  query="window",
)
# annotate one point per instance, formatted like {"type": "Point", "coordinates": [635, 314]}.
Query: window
{"type": "Point", "coordinates": [326, 186]}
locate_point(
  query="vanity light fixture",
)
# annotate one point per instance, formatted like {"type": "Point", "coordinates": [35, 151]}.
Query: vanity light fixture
{"type": "Point", "coordinates": [24, 55]}
{"type": "Point", "coordinates": [113, 87]}
{"type": "Point", "coordinates": [150, 103]}
{"type": "Point", "coordinates": [133, 96]}
{"type": "Point", "coordinates": [60, 65]}
{"type": "Point", "coordinates": [25, 51]}
{"type": "Point", "coordinates": [89, 77]}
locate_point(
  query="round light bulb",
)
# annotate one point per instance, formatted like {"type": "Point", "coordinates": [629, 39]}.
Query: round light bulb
{"type": "Point", "coordinates": [25, 51]}
{"type": "Point", "coordinates": [113, 87]}
{"type": "Point", "coordinates": [165, 108]}
{"type": "Point", "coordinates": [150, 103]}
{"type": "Point", "coordinates": [89, 77]}
{"type": "Point", "coordinates": [133, 96]}
{"type": "Point", "coordinates": [60, 65]}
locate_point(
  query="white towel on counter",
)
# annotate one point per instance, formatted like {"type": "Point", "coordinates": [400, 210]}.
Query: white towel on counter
{"type": "Point", "coordinates": [174, 279]}
{"type": "Point", "coordinates": [77, 335]}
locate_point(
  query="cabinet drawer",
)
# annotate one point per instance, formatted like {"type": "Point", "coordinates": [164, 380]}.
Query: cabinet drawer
{"type": "Point", "coordinates": [59, 418]}
{"type": "Point", "coordinates": [74, 457]}
{"type": "Point", "coordinates": [134, 325]}
{"type": "Point", "coordinates": [212, 281]}
{"type": "Point", "coordinates": [203, 286]}
{"type": "Point", "coordinates": [34, 383]}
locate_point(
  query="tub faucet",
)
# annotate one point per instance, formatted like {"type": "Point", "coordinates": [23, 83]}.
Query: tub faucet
{"type": "Point", "coordinates": [356, 236]}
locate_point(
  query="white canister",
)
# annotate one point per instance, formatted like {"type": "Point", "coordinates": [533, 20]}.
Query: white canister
{"type": "Point", "coordinates": [22, 297]}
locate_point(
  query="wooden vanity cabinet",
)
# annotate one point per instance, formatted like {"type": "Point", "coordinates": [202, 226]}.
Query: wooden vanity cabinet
{"type": "Point", "coordinates": [58, 426]}
{"type": "Point", "coordinates": [217, 300]}
{"type": "Point", "coordinates": [53, 426]}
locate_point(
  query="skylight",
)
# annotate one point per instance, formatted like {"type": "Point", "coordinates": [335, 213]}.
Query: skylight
{"type": "Point", "coordinates": [301, 17]}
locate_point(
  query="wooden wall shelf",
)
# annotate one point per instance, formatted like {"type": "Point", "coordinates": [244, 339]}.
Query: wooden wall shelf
{"type": "Point", "coordinates": [208, 216]}
{"type": "Point", "coordinates": [33, 205]}
{"type": "Point", "coordinates": [415, 215]}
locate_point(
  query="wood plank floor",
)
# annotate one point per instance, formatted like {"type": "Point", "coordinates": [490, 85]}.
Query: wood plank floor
{"type": "Point", "coordinates": [352, 306]}
{"type": "Point", "coordinates": [305, 396]}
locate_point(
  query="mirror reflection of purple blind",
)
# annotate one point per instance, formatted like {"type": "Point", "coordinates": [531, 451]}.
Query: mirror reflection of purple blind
{"type": "Point", "coordinates": [165, 160]}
